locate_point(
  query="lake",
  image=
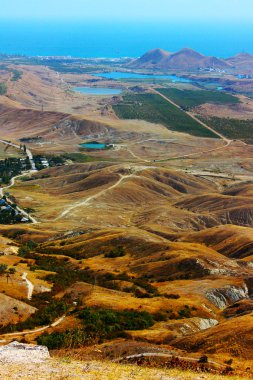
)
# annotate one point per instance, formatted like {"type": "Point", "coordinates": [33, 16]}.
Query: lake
{"type": "Point", "coordinates": [124, 75]}
{"type": "Point", "coordinates": [98, 90]}
{"type": "Point", "coordinates": [93, 146]}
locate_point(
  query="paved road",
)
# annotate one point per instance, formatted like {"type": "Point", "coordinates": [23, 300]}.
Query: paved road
{"type": "Point", "coordinates": [13, 179]}
{"type": "Point", "coordinates": [12, 183]}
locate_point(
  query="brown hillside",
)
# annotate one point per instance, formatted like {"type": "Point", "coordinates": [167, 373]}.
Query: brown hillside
{"type": "Point", "coordinates": [232, 241]}
{"type": "Point", "coordinates": [224, 338]}
{"type": "Point", "coordinates": [185, 59]}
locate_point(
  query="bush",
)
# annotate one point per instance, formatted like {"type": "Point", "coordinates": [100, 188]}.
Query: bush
{"type": "Point", "coordinates": [115, 252]}
{"type": "Point", "coordinates": [98, 324]}
{"type": "Point", "coordinates": [3, 268]}
{"type": "Point", "coordinates": [67, 339]}
{"type": "Point", "coordinates": [107, 321]}
{"type": "Point", "coordinates": [42, 317]}
{"type": "Point", "coordinates": [203, 359]}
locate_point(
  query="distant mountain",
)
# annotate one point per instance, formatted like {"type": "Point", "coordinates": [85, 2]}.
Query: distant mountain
{"type": "Point", "coordinates": [242, 61]}
{"type": "Point", "coordinates": [185, 59]}
{"type": "Point", "coordinates": [151, 59]}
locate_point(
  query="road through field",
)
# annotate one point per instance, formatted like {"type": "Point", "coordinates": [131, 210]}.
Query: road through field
{"type": "Point", "coordinates": [12, 183]}
{"type": "Point", "coordinates": [191, 115]}
{"type": "Point", "coordinates": [13, 179]}
{"type": "Point", "coordinates": [28, 152]}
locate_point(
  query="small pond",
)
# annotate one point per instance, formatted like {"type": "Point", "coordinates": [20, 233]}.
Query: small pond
{"type": "Point", "coordinates": [98, 90]}
{"type": "Point", "coordinates": [93, 145]}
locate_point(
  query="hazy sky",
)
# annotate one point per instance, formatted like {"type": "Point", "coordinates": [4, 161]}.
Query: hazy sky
{"type": "Point", "coordinates": [241, 10]}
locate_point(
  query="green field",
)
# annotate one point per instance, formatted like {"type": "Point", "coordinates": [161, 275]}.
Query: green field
{"type": "Point", "coordinates": [188, 99]}
{"type": "Point", "coordinates": [155, 109]}
{"type": "Point", "coordinates": [232, 128]}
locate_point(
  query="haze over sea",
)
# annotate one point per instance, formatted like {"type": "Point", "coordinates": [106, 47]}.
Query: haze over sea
{"type": "Point", "coordinates": [122, 39]}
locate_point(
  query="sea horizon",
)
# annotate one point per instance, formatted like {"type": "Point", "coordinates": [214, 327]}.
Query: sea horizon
{"type": "Point", "coordinates": [121, 39]}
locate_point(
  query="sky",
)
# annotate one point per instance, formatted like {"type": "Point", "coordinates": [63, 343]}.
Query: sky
{"type": "Point", "coordinates": [143, 10]}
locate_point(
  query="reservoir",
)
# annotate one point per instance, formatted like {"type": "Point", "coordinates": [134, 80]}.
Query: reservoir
{"type": "Point", "coordinates": [93, 145]}
{"type": "Point", "coordinates": [98, 90]}
{"type": "Point", "coordinates": [124, 75]}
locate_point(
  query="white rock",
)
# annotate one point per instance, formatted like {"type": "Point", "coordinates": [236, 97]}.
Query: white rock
{"type": "Point", "coordinates": [20, 352]}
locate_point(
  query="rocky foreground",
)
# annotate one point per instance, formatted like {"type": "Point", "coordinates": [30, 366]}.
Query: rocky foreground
{"type": "Point", "coordinates": [24, 361]}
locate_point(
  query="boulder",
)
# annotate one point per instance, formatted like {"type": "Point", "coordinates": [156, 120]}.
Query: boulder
{"type": "Point", "coordinates": [20, 352]}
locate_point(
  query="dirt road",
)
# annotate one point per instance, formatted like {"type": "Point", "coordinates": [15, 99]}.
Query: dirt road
{"type": "Point", "coordinates": [191, 115]}
{"type": "Point", "coordinates": [30, 286]}
{"type": "Point", "coordinates": [92, 197]}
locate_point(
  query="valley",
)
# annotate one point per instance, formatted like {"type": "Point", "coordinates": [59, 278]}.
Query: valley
{"type": "Point", "coordinates": [142, 246]}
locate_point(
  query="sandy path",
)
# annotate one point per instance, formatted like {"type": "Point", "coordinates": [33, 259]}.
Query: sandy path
{"type": "Point", "coordinates": [18, 333]}
{"type": "Point", "coordinates": [92, 197]}
{"type": "Point", "coordinates": [29, 285]}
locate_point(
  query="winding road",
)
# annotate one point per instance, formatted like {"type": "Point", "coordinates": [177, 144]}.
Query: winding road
{"type": "Point", "coordinates": [30, 286]}
{"type": "Point", "coordinates": [28, 152]}
{"type": "Point", "coordinates": [88, 199]}
{"type": "Point", "coordinates": [22, 333]}
{"type": "Point", "coordinates": [13, 179]}
{"type": "Point", "coordinates": [12, 183]}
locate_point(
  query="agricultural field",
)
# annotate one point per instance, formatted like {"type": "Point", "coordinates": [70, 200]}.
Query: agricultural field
{"type": "Point", "coordinates": [188, 99]}
{"type": "Point", "coordinates": [153, 108]}
{"type": "Point", "coordinates": [232, 128]}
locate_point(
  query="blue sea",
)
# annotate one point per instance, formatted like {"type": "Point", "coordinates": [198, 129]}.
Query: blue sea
{"type": "Point", "coordinates": [104, 39]}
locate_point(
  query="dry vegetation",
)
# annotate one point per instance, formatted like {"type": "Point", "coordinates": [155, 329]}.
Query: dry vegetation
{"type": "Point", "coordinates": [159, 226]}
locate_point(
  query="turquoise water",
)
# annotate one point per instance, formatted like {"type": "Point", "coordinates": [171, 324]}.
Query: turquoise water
{"type": "Point", "coordinates": [93, 146]}
{"type": "Point", "coordinates": [123, 39]}
{"type": "Point", "coordinates": [98, 90]}
{"type": "Point", "coordinates": [124, 75]}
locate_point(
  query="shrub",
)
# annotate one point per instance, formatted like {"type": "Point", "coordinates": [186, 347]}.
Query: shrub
{"type": "Point", "coordinates": [203, 359]}
{"type": "Point", "coordinates": [3, 268]}
{"type": "Point", "coordinates": [115, 252]}
{"type": "Point", "coordinates": [98, 324]}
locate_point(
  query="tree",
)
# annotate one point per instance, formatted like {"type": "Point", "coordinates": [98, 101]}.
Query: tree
{"type": "Point", "coordinates": [3, 268]}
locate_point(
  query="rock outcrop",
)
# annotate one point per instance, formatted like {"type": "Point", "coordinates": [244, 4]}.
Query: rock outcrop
{"type": "Point", "coordinates": [19, 352]}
